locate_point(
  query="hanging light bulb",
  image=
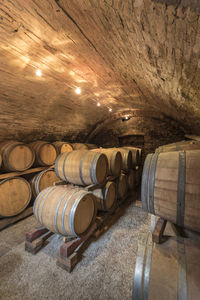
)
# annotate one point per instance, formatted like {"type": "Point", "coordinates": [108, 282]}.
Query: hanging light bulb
{"type": "Point", "coordinates": [78, 91]}
{"type": "Point", "coordinates": [98, 104]}
{"type": "Point", "coordinates": [38, 73]}
{"type": "Point", "coordinates": [110, 109]}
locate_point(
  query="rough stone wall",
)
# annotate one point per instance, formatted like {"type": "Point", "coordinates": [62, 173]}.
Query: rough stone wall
{"type": "Point", "coordinates": [156, 133]}
{"type": "Point", "coordinates": [126, 54]}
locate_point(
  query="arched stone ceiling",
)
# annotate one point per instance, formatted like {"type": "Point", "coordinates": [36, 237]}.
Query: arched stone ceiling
{"type": "Point", "coordinates": [129, 55]}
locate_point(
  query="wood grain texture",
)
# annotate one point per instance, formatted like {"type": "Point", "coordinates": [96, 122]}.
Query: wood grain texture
{"type": "Point", "coordinates": [166, 188]}
{"type": "Point", "coordinates": [82, 167]}
{"type": "Point", "coordinates": [43, 180]}
{"type": "Point", "coordinates": [66, 210]}
{"type": "Point", "coordinates": [15, 195]}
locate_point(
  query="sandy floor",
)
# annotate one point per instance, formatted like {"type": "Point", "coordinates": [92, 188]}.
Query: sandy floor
{"type": "Point", "coordinates": [105, 272]}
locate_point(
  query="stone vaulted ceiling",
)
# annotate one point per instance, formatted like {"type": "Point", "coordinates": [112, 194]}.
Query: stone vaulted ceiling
{"type": "Point", "coordinates": [137, 56]}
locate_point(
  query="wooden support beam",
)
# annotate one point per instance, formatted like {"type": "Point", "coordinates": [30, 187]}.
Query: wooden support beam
{"type": "Point", "coordinates": [157, 235]}
{"type": "Point", "coordinates": [29, 171]}
{"type": "Point", "coordinates": [5, 222]}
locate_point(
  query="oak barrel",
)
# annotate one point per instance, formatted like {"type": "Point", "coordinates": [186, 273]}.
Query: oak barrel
{"type": "Point", "coordinates": [16, 156]}
{"type": "Point", "coordinates": [131, 180]}
{"type": "Point", "coordinates": [126, 158]}
{"type": "Point", "coordinates": [62, 147]}
{"type": "Point", "coordinates": [171, 187]}
{"type": "Point", "coordinates": [43, 180]}
{"type": "Point", "coordinates": [15, 195]}
{"type": "Point", "coordinates": [91, 146]}
{"type": "Point", "coordinates": [114, 160]}
{"type": "Point", "coordinates": [106, 197]}
{"type": "Point", "coordinates": [183, 145]}
{"type": "Point", "coordinates": [65, 210]}
{"type": "Point", "coordinates": [45, 153]}
{"type": "Point", "coordinates": [167, 271]}
{"type": "Point", "coordinates": [82, 167]}
{"type": "Point", "coordinates": [122, 186]}
{"type": "Point", "coordinates": [79, 146]}
{"type": "Point", "coordinates": [135, 155]}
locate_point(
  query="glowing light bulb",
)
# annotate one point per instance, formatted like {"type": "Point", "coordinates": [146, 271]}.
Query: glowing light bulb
{"type": "Point", "coordinates": [78, 90]}
{"type": "Point", "coordinates": [126, 117]}
{"type": "Point", "coordinates": [110, 109]}
{"type": "Point", "coordinates": [38, 73]}
{"type": "Point", "coordinates": [98, 104]}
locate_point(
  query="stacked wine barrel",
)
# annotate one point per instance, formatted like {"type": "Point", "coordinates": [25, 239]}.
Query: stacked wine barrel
{"type": "Point", "coordinates": [15, 192]}
{"type": "Point", "coordinates": [171, 184]}
{"type": "Point", "coordinates": [15, 159]}
{"type": "Point", "coordinates": [122, 168]}
{"type": "Point", "coordinates": [92, 180]}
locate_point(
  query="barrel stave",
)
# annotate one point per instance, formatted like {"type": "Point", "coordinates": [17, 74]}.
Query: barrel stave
{"type": "Point", "coordinates": [172, 199]}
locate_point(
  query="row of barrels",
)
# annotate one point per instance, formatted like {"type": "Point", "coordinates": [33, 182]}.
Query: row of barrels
{"type": "Point", "coordinates": [171, 184]}
{"type": "Point", "coordinates": [14, 199]}
{"type": "Point", "coordinates": [71, 209]}
{"type": "Point", "coordinates": [17, 156]}
{"type": "Point", "coordinates": [83, 167]}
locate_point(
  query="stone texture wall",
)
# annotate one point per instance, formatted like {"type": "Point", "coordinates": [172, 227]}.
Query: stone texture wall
{"type": "Point", "coordinates": [133, 54]}
{"type": "Point", "coordinates": [156, 133]}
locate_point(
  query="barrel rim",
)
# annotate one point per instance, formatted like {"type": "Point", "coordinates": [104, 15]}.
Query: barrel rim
{"type": "Point", "coordinates": [75, 205]}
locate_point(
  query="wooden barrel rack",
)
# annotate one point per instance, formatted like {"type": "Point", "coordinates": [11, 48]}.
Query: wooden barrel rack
{"type": "Point", "coordinates": [5, 222]}
{"type": "Point", "coordinates": [72, 249]}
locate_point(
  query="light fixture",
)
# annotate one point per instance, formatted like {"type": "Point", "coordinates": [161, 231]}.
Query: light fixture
{"type": "Point", "coordinates": [78, 90]}
{"type": "Point", "coordinates": [110, 109]}
{"type": "Point", "coordinates": [98, 104]}
{"type": "Point", "coordinates": [126, 118]}
{"type": "Point", "coordinates": [38, 73]}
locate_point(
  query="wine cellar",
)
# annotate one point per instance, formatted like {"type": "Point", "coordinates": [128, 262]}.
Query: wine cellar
{"type": "Point", "coordinates": [99, 149]}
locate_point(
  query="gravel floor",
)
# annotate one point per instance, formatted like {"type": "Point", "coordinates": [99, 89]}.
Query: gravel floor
{"type": "Point", "coordinates": [105, 272]}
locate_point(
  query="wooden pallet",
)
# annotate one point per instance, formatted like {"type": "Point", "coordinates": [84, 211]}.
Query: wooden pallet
{"type": "Point", "coordinates": [71, 251]}
{"type": "Point", "coordinates": [29, 171]}
{"type": "Point", "coordinates": [159, 235]}
{"type": "Point", "coordinates": [5, 222]}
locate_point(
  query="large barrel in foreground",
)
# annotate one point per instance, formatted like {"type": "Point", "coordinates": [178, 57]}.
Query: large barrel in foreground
{"type": "Point", "coordinates": [171, 187]}
{"type": "Point", "coordinates": [114, 160]}
{"type": "Point", "coordinates": [15, 195]}
{"type": "Point", "coordinates": [106, 197]}
{"type": "Point", "coordinates": [62, 147]}
{"type": "Point", "coordinates": [82, 167]}
{"type": "Point", "coordinates": [45, 153]}
{"type": "Point", "coordinates": [167, 271]}
{"type": "Point", "coordinates": [179, 146]}
{"type": "Point", "coordinates": [43, 180]}
{"type": "Point", "coordinates": [65, 210]}
{"type": "Point", "coordinates": [16, 156]}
